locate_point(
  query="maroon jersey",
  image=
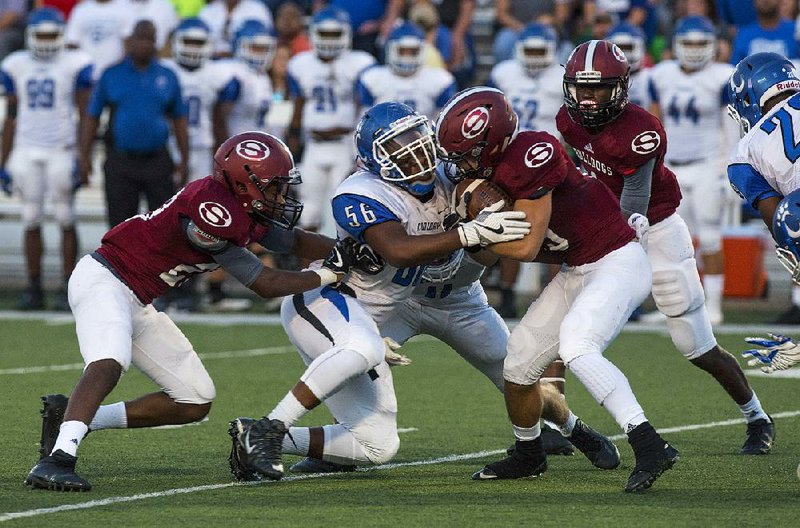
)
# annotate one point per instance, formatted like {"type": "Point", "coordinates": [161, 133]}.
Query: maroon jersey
{"type": "Point", "coordinates": [622, 146]}
{"type": "Point", "coordinates": [586, 223]}
{"type": "Point", "coordinates": [152, 251]}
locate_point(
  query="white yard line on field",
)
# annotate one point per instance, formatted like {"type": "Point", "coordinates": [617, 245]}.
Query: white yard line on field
{"type": "Point", "coordinates": [253, 352]}
{"type": "Point", "coordinates": [441, 460]}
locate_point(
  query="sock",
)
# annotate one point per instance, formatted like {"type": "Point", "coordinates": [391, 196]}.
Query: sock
{"type": "Point", "coordinates": [569, 425]}
{"type": "Point", "coordinates": [70, 435]}
{"type": "Point", "coordinates": [289, 410]}
{"type": "Point", "coordinates": [296, 441]}
{"type": "Point", "coordinates": [712, 284]}
{"type": "Point", "coordinates": [526, 434]}
{"type": "Point", "coordinates": [752, 410]}
{"type": "Point", "coordinates": [111, 416]}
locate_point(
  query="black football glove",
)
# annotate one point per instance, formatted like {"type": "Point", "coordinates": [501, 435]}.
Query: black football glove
{"type": "Point", "coordinates": [368, 261]}
{"type": "Point", "coordinates": [342, 257]}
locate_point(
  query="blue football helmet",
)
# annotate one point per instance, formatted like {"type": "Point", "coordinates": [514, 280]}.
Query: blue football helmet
{"type": "Point", "coordinates": [255, 44]}
{"type": "Point", "coordinates": [397, 143]}
{"type": "Point", "coordinates": [756, 79]}
{"type": "Point", "coordinates": [786, 231]}
{"type": "Point", "coordinates": [404, 49]}
{"type": "Point", "coordinates": [631, 40]}
{"type": "Point", "coordinates": [45, 32]}
{"type": "Point", "coordinates": [535, 48]}
{"type": "Point", "coordinates": [694, 42]}
{"type": "Point", "coordinates": [330, 32]}
{"type": "Point", "coordinates": [191, 43]}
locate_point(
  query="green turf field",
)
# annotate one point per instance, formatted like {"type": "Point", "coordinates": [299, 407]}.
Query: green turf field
{"type": "Point", "coordinates": [179, 477]}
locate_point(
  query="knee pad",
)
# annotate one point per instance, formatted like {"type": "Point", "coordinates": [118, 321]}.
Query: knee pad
{"type": "Point", "coordinates": [200, 389]}
{"type": "Point", "coordinates": [595, 374]}
{"type": "Point", "coordinates": [678, 290]}
{"type": "Point", "coordinates": [31, 214]}
{"type": "Point", "coordinates": [383, 449]}
{"type": "Point", "coordinates": [64, 213]}
{"type": "Point", "coordinates": [691, 333]}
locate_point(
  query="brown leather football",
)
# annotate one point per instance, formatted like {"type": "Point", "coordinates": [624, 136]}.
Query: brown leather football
{"type": "Point", "coordinates": [472, 195]}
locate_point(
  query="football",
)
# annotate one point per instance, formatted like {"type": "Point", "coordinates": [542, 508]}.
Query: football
{"type": "Point", "coordinates": [472, 195]}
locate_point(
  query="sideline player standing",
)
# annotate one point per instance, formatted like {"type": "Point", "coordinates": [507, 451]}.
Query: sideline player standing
{"type": "Point", "coordinates": [623, 146]}
{"type": "Point", "coordinates": [397, 205]}
{"type": "Point", "coordinates": [207, 224]}
{"type": "Point", "coordinates": [45, 87]}
{"type": "Point", "coordinates": [575, 221]}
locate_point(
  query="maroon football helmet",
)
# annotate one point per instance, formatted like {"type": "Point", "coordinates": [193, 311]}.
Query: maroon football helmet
{"type": "Point", "coordinates": [598, 67]}
{"type": "Point", "coordinates": [259, 169]}
{"type": "Point", "coordinates": [473, 130]}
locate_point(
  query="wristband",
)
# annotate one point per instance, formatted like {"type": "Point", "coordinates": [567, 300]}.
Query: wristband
{"type": "Point", "coordinates": [326, 276]}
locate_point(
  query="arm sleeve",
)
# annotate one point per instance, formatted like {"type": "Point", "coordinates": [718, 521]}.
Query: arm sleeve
{"type": "Point", "coordinates": [202, 240]}
{"type": "Point", "coordinates": [279, 240]}
{"type": "Point", "coordinates": [294, 88]}
{"type": "Point", "coordinates": [8, 83]}
{"type": "Point", "coordinates": [355, 213]}
{"type": "Point", "coordinates": [365, 97]}
{"type": "Point", "coordinates": [231, 91]}
{"type": "Point", "coordinates": [241, 263]}
{"type": "Point", "coordinates": [749, 184]}
{"type": "Point", "coordinates": [84, 78]}
{"type": "Point", "coordinates": [635, 195]}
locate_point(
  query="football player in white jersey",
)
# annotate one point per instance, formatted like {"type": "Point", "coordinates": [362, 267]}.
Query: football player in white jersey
{"type": "Point", "coordinates": [207, 87]}
{"type": "Point", "coordinates": [532, 82]}
{"type": "Point", "coordinates": [47, 89]}
{"type": "Point", "coordinates": [397, 205]}
{"type": "Point", "coordinates": [404, 78]}
{"type": "Point", "coordinates": [322, 85]}
{"type": "Point", "coordinates": [631, 40]}
{"type": "Point", "coordinates": [163, 15]}
{"type": "Point", "coordinates": [99, 27]}
{"type": "Point", "coordinates": [689, 97]}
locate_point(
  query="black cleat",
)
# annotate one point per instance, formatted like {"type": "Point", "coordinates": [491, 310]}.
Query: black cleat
{"type": "Point", "coordinates": [600, 451]}
{"type": "Point", "coordinates": [760, 435]}
{"type": "Point", "coordinates": [238, 457]}
{"type": "Point", "coordinates": [527, 460]}
{"type": "Point", "coordinates": [61, 301]}
{"type": "Point", "coordinates": [53, 408]}
{"type": "Point", "coordinates": [31, 299]}
{"type": "Point", "coordinates": [57, 473]}
{"type": "Point", "coordinates": [653, 455]}
{"type": "Point", "coordinates": [315, 465]}
{"type": "Point", "coordinates": [553, 441]}
{"type": "Point", "coordinates": [262, 442]}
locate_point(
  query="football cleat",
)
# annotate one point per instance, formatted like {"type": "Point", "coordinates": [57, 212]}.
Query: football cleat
{"type": "Point", "coordinates": [57, 473]}
{"type": "Point", "coordinates": [316, 465]}
{"type": "Point", "coordinates": [31, 299]}
{"type": "Point", "coordinates": [600, 451]}
{"type": "Point", "coordinates": [553, 441]}
{"type": "Point", "coordinates": [760, 435]}
{"type": "Point", "coordinates": [53, 408]}
{"type": "Point", "coordinates": [261, 443]}
{"type": "Point", "coordinates": [653, 455]}
{"type": "Point", "coordinates": [527, 460]}
{"type": "Point", "coordinates": [238, 457]}
{"type": "Point", "coordinates": [61, 301]}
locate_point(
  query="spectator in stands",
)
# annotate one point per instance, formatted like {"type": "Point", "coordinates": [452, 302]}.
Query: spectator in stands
{"type": "Point", "coordinates": [225, 16]}
{"type": "Point", "coordinates": [65, 6]}
{"type": "Point", "coordinates": [736, 13]}
{"type": "Point", "coordinates": [99, 27]}
{"type": "Point", "coordinates": [137, 159]}
{"type": "Point", "coordinates": [437, 37]}
{"type": "Point", "coordinates": [39, 142]}
{"type": "Point", "coordinates": [188, 8]}
{"type": "Point", "coordinates": [630, 11]}
{"type": "Point", "coordinates": [456, 15]}
{"type": "Point", "coordinates": [279, 75]}
{"type": "Point", "coordinates": [770, 33]}
{"type": "Point", "coordinates": [369, 20]}
{"type": "Point", "coordinates": [290, 28]}
{"type": "Point", "coordinates": [514, 15]}
{"type": "Point", "coordinates": [12, 25]}
{"type": "Point", "coordinates": [163, 15]}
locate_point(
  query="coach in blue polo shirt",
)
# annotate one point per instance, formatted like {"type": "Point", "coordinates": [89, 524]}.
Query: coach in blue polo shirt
{"type": "Point", "coordinates": [143, 97]}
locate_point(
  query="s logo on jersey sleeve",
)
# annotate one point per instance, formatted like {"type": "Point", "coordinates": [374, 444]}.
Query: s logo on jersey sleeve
{"type": "Point", "coordinates": [252, 150]}
{"type": "Point", "coordinates": [646, 142]}
{"type": "Point", "coordinates": [538, 154]}
{"type": "Point", "coordinates": [215, 214]}
{"type": "Point", "coordinates": [475, 122]}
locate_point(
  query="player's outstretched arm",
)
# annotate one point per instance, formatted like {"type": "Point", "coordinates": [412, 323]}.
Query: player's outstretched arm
{"type": "Point", "coordinates": [311, 246]}
{"type": "Point", "coordinates": [537, 212]}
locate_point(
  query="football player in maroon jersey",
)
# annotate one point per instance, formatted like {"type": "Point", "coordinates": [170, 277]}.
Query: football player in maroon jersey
{"type": "Point", "coordinates": [575, 221]}
{"type": "Point", "coordinates": [206, 225]}
{"type": "Point", "coordinates": [623, 145]}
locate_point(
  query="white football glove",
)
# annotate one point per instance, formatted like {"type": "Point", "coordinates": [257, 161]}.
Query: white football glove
{"type": "Point", "coordinates": [493, 226]}
{"type": "Point", "coordinates": [641, 225]}
{"type": "Point", "coordinates": [390, 354]}
{"type": "Point", "coordinates": [778, 353]}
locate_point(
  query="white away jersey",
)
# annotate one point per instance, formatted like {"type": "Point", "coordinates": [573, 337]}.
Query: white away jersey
{"type": "Point", "coordinates": [764, 162]}
{"type": "Point", "coordinates": [255, 95]}
{"type": "Point", "coordinates": [201, 89]}
{"type": "Point", "coordinates": [45, 90]}
{"type": "Point", "coordinates": [639, 88]}
{"type": "Point", "coordinates": [99, 30]}
{"type": "Point", "coordinates": [536, 99]}
{"type": "Point", "coordinates": [364, 200]}
{"type": "Point", "coordinates": [327, 87]}
{"type": "Point", "coordinates": [426, 91]}
{"type": "Point", "coordinates": [692, 108]}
